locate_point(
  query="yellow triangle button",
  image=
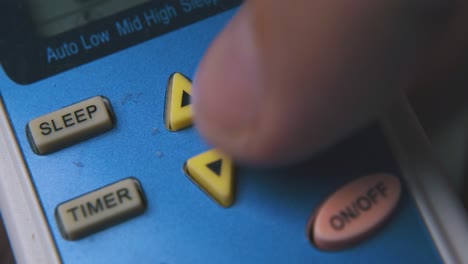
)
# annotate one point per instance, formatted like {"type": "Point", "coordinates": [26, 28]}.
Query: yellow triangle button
{"type": "Point", "coordinates": [178, 113]}
{"type": "Point", "coordinates": [213, 173]}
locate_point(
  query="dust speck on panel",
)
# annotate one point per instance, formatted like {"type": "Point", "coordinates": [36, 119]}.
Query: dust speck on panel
{"type": "Point", "coordinates": [131, 98]}
{"type": "Point", "coordinates": [78, 164]}
{"type": "Point", "coordinates": [154, 131]}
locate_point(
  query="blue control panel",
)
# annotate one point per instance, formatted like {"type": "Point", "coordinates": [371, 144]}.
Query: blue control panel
{"type": "Point", "coordinates": [267, 220]}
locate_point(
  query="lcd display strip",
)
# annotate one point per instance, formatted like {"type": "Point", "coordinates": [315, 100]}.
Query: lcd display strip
{"type": "Point", "coordinates": [43, 56]}
{"type": "Point", "coordinates": [51, 17]}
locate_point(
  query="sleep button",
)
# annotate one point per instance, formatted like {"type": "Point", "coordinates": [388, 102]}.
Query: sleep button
{"type": "Point", "coordinates": [70, 125]}
{"type": "Point", "coordinates": [100, 209]}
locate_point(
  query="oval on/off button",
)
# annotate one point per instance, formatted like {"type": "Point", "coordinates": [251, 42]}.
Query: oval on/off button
{"type": "Point", "coordinates": [354, 211]}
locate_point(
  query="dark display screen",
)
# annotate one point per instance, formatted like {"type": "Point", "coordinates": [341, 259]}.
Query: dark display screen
{"type": "Point", "coordinates": [51, 17]}
{"type": "Point", "coordinates": [64, 34]}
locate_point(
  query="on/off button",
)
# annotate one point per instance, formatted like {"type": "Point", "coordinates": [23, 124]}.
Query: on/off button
{"type": "Point", "coordinates": [354, 211]}
{"type": "Point", "coordinates": [70, 125]}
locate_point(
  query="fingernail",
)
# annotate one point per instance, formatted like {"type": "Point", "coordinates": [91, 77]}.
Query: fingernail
{"type": "Point", "coordinates": [226, 90]}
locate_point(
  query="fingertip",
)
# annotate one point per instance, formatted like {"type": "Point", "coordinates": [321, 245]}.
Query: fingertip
{"type": "Point", "coordinates": [225, 87]}
{"type": "Point", "coordinates": [274, 93]}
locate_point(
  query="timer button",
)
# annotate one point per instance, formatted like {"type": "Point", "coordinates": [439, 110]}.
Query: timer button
{"type": "Point", "coordinates": [70, 125]}
{"type": "Point", "coordinates": [100, 209]}
{"type": "Point", "coordinates": [354, 211]}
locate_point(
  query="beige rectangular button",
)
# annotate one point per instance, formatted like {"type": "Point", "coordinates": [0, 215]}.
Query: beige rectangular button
{"type": "Point", "coordinates": [100, 209]}
{"type": "Point", "coordinates": [70, 125]}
